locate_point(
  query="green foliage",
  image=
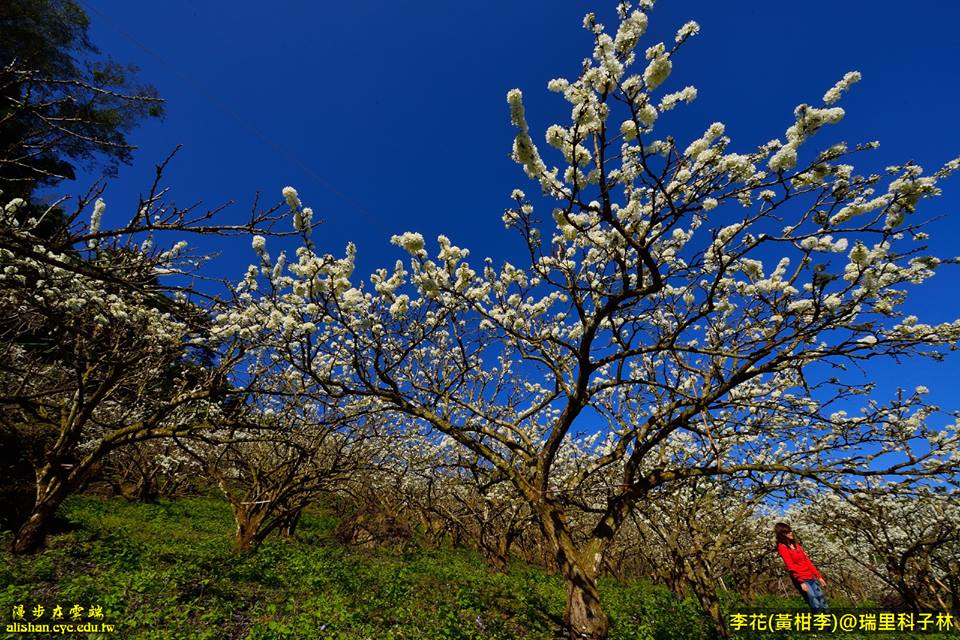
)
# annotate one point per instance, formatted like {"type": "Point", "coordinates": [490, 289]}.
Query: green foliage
{"type": "Point", "coordinates": [166, 571]}
{"type": "Point", "coordinates": [61, 104]}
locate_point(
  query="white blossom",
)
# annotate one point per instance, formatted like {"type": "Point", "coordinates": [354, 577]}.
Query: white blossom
{"type": "Point", "coordinates": [410, 242]}
{"type": "Point", "coordinates": [784, 159]}
{"type": "Point", "coordinates": [691, 28]}
{"type": "Point", "coordinates": [844, 84]}
{"type": "Point", "coordinates": [292, 198]}
{"type": "Point", "coordinates": [630, 31]}
{"type": "Point", "coordinates": [96, 219]}
{"type": "Point", "coordinates": [657, 70]}
{"type": "Point", "coordinates": [687, 94]}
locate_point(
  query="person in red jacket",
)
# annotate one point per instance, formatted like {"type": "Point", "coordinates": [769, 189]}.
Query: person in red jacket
{"type": "Point", "coordinates": [802, 571]}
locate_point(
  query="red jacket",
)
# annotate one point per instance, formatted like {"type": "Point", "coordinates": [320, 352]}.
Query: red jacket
{"type": "Point", "coordinates": [798, 564]}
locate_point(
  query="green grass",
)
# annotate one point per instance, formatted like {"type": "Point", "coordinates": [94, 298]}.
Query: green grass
{"type": "Point", "coordinates": [167, 571]}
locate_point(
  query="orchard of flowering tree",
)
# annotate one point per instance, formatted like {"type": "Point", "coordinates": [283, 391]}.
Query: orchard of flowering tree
{"type": "Point", "coordinates": [679, 353]}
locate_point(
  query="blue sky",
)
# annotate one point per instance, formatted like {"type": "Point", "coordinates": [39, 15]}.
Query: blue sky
{"type": "Point", "coordinates": [390, 116]}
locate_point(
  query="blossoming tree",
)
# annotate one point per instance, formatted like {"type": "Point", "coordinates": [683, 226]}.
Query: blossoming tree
{"type": "Point", "coordinates": [104, 338]}
{"type": "Point", "coordinates": [692, 536]}
{"type": "Point", "coordinates": [277, 459]}
{"type": "Point", "coordinates": [684, 307]}
{"type": "Point", "coordinates": [909, 542]}
{"type": "Point", "coordinates": [148, 470]}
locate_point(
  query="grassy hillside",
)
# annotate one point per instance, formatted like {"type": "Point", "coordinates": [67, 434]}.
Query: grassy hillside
{"type": "Point", "coordinates": [167, 571]}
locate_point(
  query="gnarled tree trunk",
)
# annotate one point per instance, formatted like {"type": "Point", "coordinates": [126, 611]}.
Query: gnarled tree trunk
{"type": "Point", "coordinates": [583, 616]}
{"type": "Point", "coordinates": [249, 521]}
{"type": "Point", "coordinates": [52, 489]}
{"type": "Point", "coordinates": [705, 589]}
{"type": "Point", "coordinates": [289, 522]}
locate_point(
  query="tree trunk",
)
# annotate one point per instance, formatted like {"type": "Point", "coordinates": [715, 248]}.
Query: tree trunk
{"type": "Point", "coordinates": [504, 543]}
{"type": "Point", "coordinates": [32, 534]}
{"type": "Point", "coordinates": [701, 581]}
{"type": "Point", "coordinates": [496, 562]}
{"type": "Point", "coordinates": [288, 528]}
{"type": "Point", "coordinates": [146, 490]}
{"type": "Point", "coordinates": [615, 571]}
{"type": "Point", "coordinates": [710, 603]}
{"type": "Point", "coordinates": [248, 527]}
{"type": "Point", "coordinates": [51, 491]}
{"type": "Point", "coordinates": [584, 616]}
{"type": "Point", "coordinates": [496, 549]}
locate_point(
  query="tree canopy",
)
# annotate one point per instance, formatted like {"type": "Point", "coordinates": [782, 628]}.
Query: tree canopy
{"type": "Point", "coordinates": [671, 353]}
{"type": "Point", "coordinates": [62, 105]}
{"type": "Point", "coordinates": [673, 320]}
